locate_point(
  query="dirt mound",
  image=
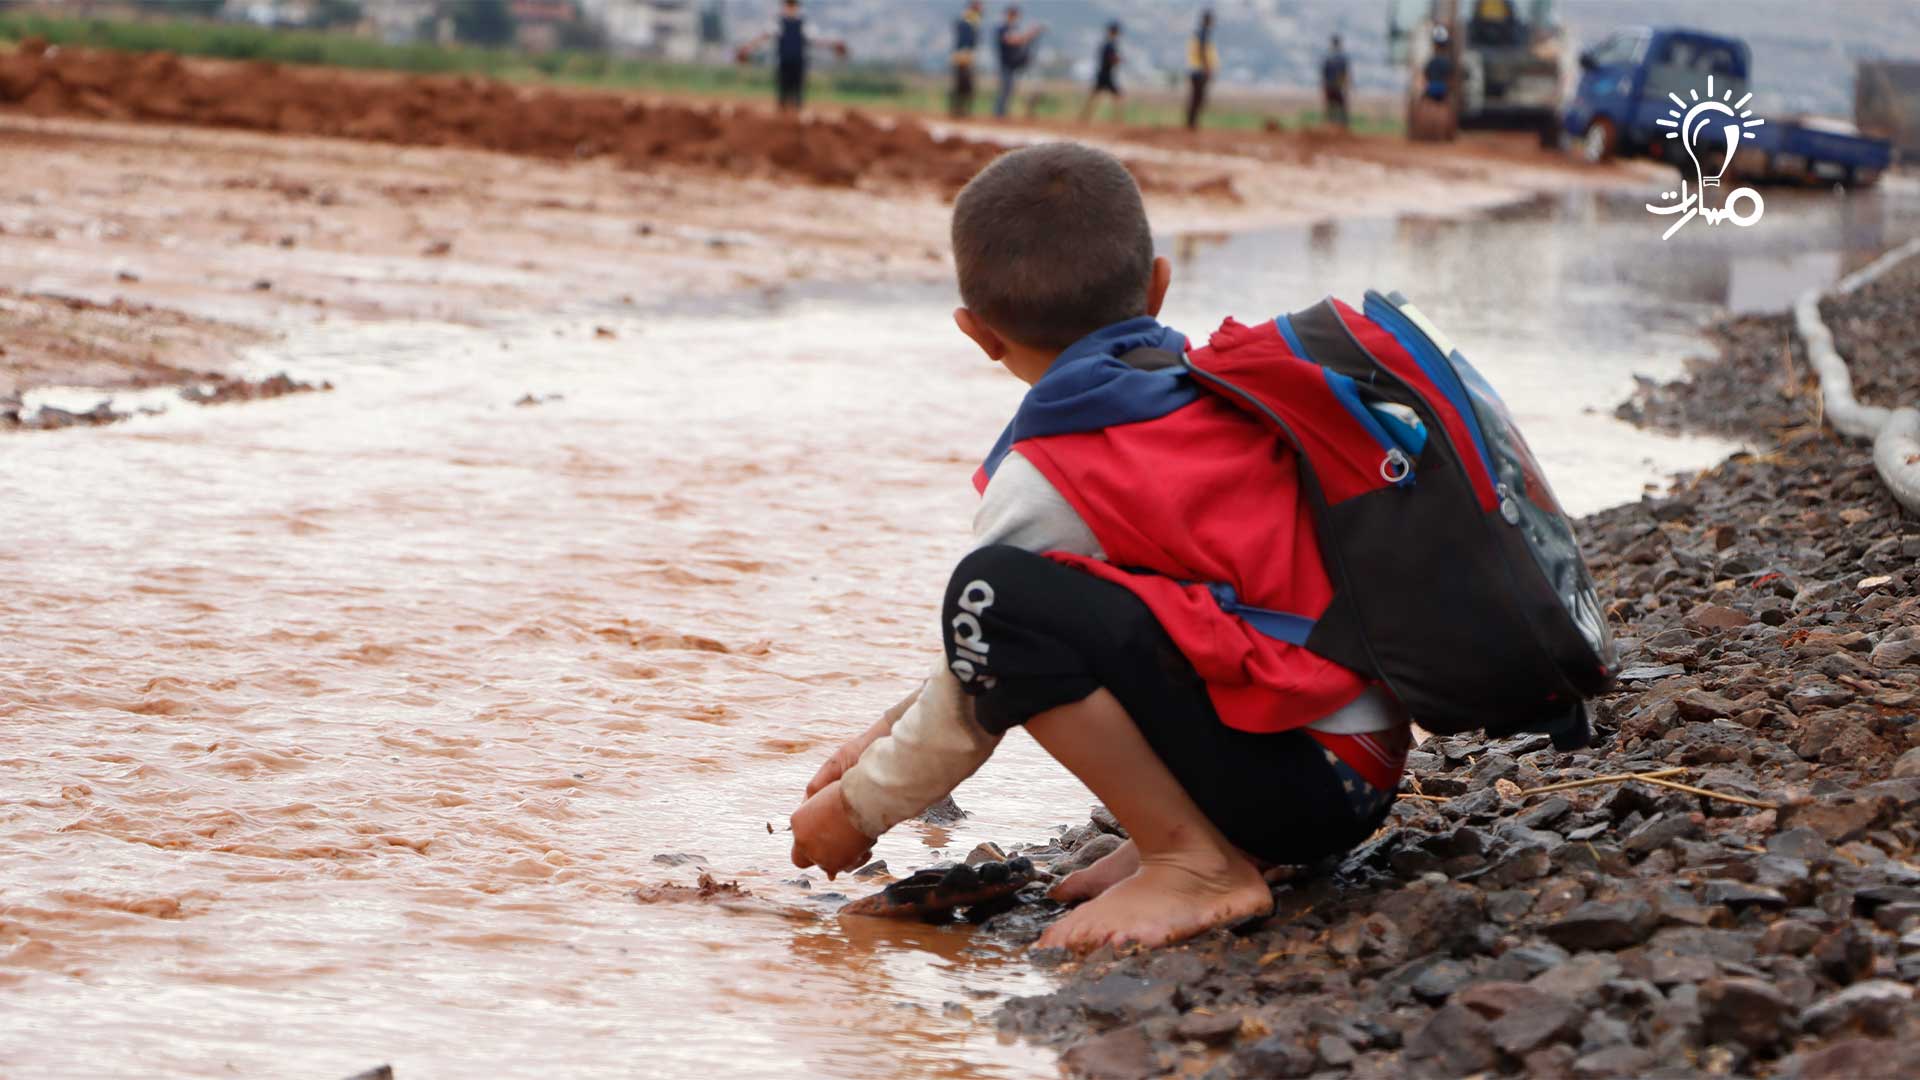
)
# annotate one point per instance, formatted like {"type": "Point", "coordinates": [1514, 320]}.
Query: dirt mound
{"type": "Point", "coordinates": [841, 151]}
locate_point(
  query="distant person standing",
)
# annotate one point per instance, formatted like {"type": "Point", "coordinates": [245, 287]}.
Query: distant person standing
{"type": "Point", "coordinates": [1015, 47]}
{"type": "Point", "coordinates": [966, 43]}
{"type": "Point", "coordinates": [1336, 76]}
{"type": "Point", "coordinates": [1438, 75]}
{"type": "Point", "coordinates": [1106, 78]}
{"type": "Point", "coordinates": [1202, 61]}
{"type": "Point", "coordinates": [791, 43]}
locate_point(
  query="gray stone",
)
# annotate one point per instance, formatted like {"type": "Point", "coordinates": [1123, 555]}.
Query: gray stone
{"type": "Point", "coordinates": [1124, 998]}
{"type": "Point", "coordinates": [1603, 1031]}
{"type": "Point", "coordinates": [1092, 850]}
{"type": "Point", "coordinates": [1123, 1054]}
{"type": "Point", "coordinates": [1210, 1028]}
{"type": "Point", "coordinates": [1544, 813]}
{"type": "Point", "coordinates": [985, 853]}
{"type": "Point", "coordinates": [1614, 1061]}
{"type": "Point", "coordinates": [1440, 979]}
{"type": "Point", "coordinates": [1603, 924]}
{"type": "Point", "coordinates": [1335, 1052]}
{"type": "Point", "coordinates": [1841, 819]}
{"type": "Point", "coordinates": [1872, 1008]}
{"type": "Point", "coordinates": [1456, 1041]}
{"type": "Point", "coordinates": [1739, 895]}
{"type": "Point", "coordinates": [1789, 937]}
{"type": "Point", "coordinates": [1813, 696]}
{"type": "Point", "coordinates": [1745, 1011]}
{"type": "Point", "coordinates": [1543, 1022]}
{"type": "Point", "coordinates": [1277, 1056]}
{"type": "Point", "coordinates": [944, 812]}
{"type": "Point", "coordinates": [1801, 843]}
{"type": "Point", "coordinates": [1509, 906]}
{"type": "Point", "coordinates": [1659, 831]}
{"type": "Point", "coordinates": [1580, 978]}
{"type": "Point", "coordinates": [1709, 618]}
{"type": "Point", "coordinates": [1523, 962]}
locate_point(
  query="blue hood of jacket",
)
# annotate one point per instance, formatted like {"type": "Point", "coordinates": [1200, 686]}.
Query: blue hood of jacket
{"type": "Point", "coordinates": [1089, 387]}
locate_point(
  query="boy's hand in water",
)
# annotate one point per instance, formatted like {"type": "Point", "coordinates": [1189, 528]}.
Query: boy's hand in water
{"type": "Point", "coordinates": [850, 752]}
{"type": "Point", "coordinates": [843, 759]}
{"type": "Point", "coordinates": [824, 835]}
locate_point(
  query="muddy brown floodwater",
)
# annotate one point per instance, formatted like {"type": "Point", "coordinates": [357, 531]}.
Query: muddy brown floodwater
{"type": "Point", "coordinates": [343, 731]}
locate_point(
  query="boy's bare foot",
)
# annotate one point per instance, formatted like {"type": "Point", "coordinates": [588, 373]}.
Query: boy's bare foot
{"type": "Point", "coordinates": [1168, 899]}
{"type": "Point", "coordinates": [1110, 870]}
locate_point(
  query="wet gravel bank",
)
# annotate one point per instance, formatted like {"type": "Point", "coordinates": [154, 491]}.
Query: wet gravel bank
{"type": "Point", "coordinates": [1769, 612]}
{"type": "Point", "coordinates": [1760, 385]}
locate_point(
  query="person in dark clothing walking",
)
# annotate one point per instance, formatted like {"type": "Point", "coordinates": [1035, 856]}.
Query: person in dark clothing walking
{"type": "Point", "coordinates": [1335, 77]}
{"type": "Point", "coordinates": [1202, 61]}
{"type": "Point", "coordinates": [1015, 47]}
{"type": "Point", "coordinates": [966, 42]}
{"type": "Point", "coordinates": [1105, 78]}
{"type": "Point", "coordinates": [791, 43]}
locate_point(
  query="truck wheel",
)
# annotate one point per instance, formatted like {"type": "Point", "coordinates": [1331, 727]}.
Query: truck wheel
{"type": "Point", "coordinates": [1600, 143]}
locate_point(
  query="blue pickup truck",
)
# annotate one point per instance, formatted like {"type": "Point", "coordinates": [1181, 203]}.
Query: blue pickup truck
{"type": "Point", "coordinates": [1624, 107]}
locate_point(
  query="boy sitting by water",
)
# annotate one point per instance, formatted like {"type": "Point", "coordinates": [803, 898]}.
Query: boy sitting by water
{"type": "Point", "coordinates": [1117, 487]}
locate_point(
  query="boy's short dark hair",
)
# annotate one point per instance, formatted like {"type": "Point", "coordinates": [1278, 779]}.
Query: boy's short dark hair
{"type": "Point", "coordinates": [1051, 243]}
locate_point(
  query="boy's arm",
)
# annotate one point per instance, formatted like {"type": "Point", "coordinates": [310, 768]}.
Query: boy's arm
{"type": "Point", "coordinates": [936, 744]}
{"type": "Point", "coordinates": [933, 747]}
{"type": "Point", "coordinates": [850, 752]}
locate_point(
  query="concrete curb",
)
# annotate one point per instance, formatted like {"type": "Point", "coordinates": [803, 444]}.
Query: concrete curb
{"type": "Point", "coordinates": [1895, 433]}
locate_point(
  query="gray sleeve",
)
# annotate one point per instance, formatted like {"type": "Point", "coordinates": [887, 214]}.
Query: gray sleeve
{"type": "Point", "coordinates": [931, 748]}
{"type": "Point", "coordinates": [937, 744]}
{"type": "Point", "coordinates": [1023, 509]}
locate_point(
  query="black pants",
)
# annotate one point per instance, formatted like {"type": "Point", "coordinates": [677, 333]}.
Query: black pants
{"type": "Point", "coordinates": [960, 101]}
{"type": "Point", "coordinates": [1026, 634]}
{"type": "Point", "coordinates": [1198, 100]}
{"type": "Point", "coordinates": [1336, 106]}
{"type": "Point", "coordinates": [791, 82]}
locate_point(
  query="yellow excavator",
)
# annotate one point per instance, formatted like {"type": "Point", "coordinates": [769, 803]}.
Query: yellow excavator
{"type": "Point", "coordinates": [1479, 64]}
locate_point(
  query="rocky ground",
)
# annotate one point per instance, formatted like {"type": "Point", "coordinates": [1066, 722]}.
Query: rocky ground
{"type": "Point", "coordinates": [1504, 924]}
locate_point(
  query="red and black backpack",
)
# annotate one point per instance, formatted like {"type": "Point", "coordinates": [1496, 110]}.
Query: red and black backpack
{"type": "Point", "coordinates": [1457, 578]}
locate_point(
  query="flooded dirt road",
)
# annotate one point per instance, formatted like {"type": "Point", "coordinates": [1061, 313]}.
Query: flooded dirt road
{"type": "Point", "coordinates": [342, 731]}
{"type": "Point", "coordinates": [343, 728]}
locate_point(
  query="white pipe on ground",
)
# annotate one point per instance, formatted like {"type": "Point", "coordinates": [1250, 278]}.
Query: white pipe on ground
{"type": "Point", "coordinates": [1895, 433]}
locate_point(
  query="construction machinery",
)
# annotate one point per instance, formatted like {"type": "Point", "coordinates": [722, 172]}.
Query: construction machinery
{"type": "Point", "coordinates": [1886, 102]}
{"type": "Point", "coordinates": [1479, 64]}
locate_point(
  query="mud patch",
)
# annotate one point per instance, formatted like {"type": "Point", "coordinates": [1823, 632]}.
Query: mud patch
{"type": "Point", "coordinates": [845, 150]}
{"type": "Point", "coordinates": [48, 340]}
{"type": "Point", "coordinates": [724, 895]}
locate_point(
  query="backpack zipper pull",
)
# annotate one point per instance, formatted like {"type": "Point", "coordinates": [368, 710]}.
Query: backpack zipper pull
{"type": "Point", "coordinates": [1396, 467]}
{"type": "Point", "coordinates": [1509, 509]}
